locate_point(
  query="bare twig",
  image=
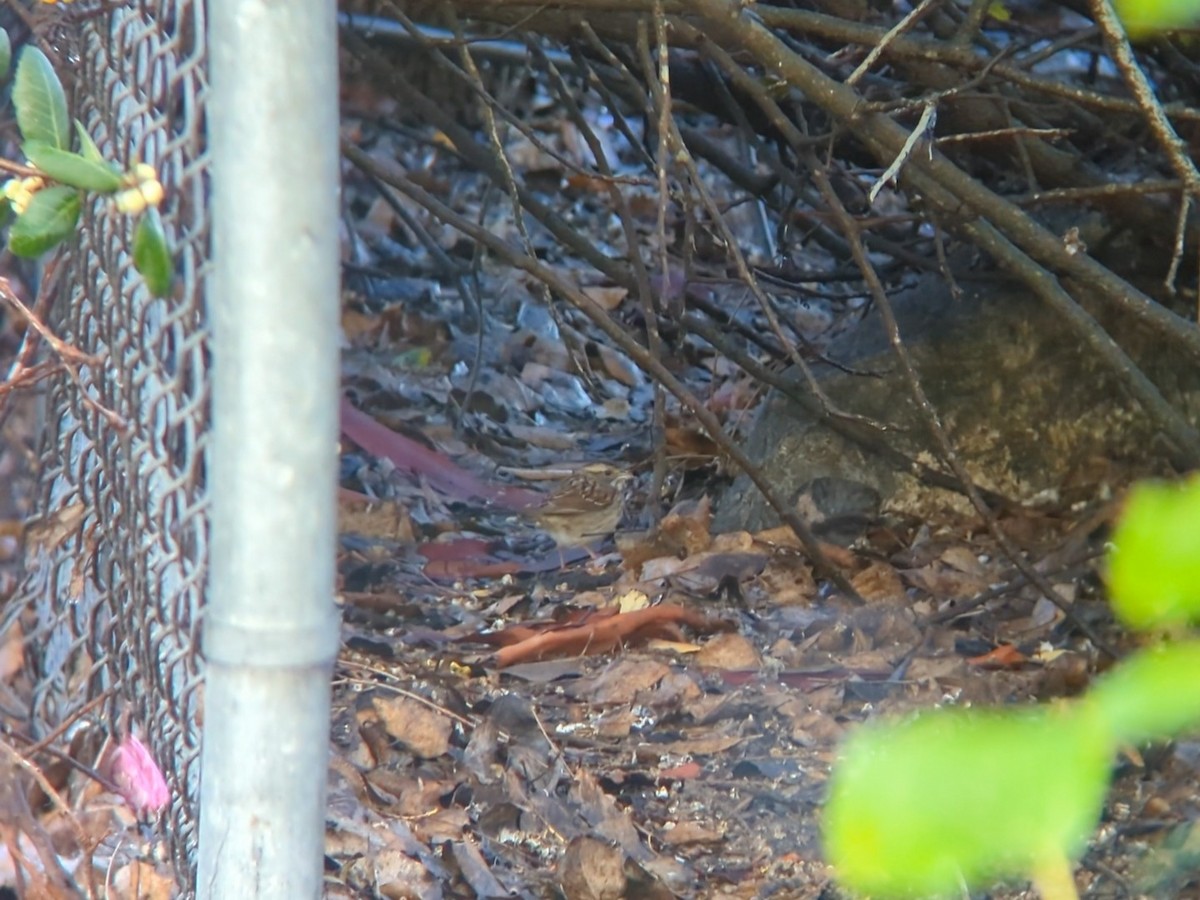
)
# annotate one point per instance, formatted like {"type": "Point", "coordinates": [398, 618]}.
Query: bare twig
{"type": "Point", "coordinates": [649, 364]}
{"type": "Point", "coordinates": [994, 223]}
{"type": "Point", "coordinates": [915, 15]}
{"type": "Point", "coordinates": [1117, 42]}
{"type": "Point", "coordinates": [937, 430]}
{"type": "Point", "coordinates": [660, 97]}
{"type": "Point", "coordinates": [36, 833]}
{"type": "Point", "coordinates": [71, 358]}
{"type": "Point", "coordinates": [952, 189]}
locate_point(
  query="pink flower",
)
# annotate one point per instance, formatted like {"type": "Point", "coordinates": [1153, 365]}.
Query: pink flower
{"type": "Point", "coordinates": [138, 777]}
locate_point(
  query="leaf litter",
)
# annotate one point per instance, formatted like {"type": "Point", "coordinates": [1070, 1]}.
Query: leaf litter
{"type": "Point", "coordinates": [506, 720]}
{"type": "Point", "coordinates": [678, 745]}
{"type": "Point", "coordinates": [659, 719]}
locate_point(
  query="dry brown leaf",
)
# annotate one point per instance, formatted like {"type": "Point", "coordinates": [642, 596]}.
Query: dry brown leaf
{"type": "Point", "coordinates": [728, 651]}
{"type": "Point", "coordinates": [682, 772]}
{"type": "Point", "coordinates": [140, 881]}
{"type": "Point", "coordinates": [734, 395]}
{"type": "Point", "coordinates": [374, 519]}
{"type": "Point", "coordinates": [685, 833]}
{"type": "Point", "coordinates": [475, 870]}
{"type": "Point", "coordinates": [591, 869]}
{"type": "Point", "coordinates": [941, 670]}
{"type": "Point", "coordinates": [381, 216]}
{"type": "Point", "coordinates": [622, 682]}
{"type": "Point", "coordinates": [695, 745]}
{"type": "Point", "coordinates": [414, 797]}
{"type": "Point", "coordinates": [631, 600]}
{"type": "Point", "coordinates": [943, 583]}
{"type": "Point", "coordinates": [615, 724]}
{"type": "Point", "coordinates": [964, 559]}
{"type": "Point", "coordinates": [879, 582]}
{"type": "Point", "coordinates": [393, 874]}
{"type": "Point", "coordinates": [685, 529]}
{"type": "Point", "coordinates": [607, 298]}
{"type": "Point", "coordinates": [733, 542]}
{"type": "Point", "coordinates": [788, 584]}
{"type": "Point", "coordinates": [690, 443]}
{"type": "Point", "coordinates": [654, 568]}
{"type": "Point", "coordinates": [682, 533]}
{"type": "Point", "coordinates": [446, 824]}
{"type": "Point", "coordinates": [708, 572]}
{"type": "Point", "coordinates": [581, 183]}
{"type": "Point", "coordinates": [607, 361]}
{"type": "Point", "coordinates": [784, 538]}
{"type": "Point", "coordinates": [359, 327]}
{"type": "Point", "coordinates": [424, 731]}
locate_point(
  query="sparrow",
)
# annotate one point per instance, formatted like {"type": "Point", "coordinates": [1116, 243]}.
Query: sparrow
{"type": "Point", "coordinates": [584, 506]}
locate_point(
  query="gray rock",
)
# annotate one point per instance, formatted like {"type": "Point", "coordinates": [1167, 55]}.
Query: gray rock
{"type": "Point", "coordinates": [1025, 405]}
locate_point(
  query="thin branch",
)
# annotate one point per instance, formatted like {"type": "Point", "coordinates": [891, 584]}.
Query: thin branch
{"type": "Point", "coordinates": [915, 15]}
{"type": "Point", "coordinates": [948, 186]}
{"type": "Point", "coordinates": [71, 358]}
{"type": "Point", "coordinates": [649, 364]}
{"type": "Point", "coordinates": [1160, 126]}
{"type": "Point", "coordinates": [941, 438]}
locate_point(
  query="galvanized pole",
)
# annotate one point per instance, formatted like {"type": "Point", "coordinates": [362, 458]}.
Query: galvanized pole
{"type": "Point", "coordinates": [270, 628]}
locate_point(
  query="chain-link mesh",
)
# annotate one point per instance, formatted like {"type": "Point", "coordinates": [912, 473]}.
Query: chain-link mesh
{"type": "Point", "coordinates": [117, 569]}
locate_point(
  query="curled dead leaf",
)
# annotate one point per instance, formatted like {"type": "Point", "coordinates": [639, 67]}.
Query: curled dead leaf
{"type": "Point", "coordinates": [596, 631]}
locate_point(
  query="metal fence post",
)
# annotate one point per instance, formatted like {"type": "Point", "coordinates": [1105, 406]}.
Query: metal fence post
{"type": "Point", "coordinates": [271, 628]}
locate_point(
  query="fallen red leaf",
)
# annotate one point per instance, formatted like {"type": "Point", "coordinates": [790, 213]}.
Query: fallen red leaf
{"type": "Point", "coordinates": [1006, 656]}
{"type": "Point", "coordinates": [440, 471]}
{"type": "Point", "coordinates": [603, 631]}
{"type": "Point", "coordinates": [681, 772]}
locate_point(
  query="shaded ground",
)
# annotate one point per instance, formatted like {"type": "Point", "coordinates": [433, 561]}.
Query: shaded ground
{"type": "Point", "coordinates": [700, 753]}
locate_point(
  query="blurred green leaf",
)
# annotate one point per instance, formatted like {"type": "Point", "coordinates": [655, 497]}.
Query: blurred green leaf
{"type": "Point", "coordinates": [87, 147]}
{"type": "Point", "coordinates": [1152, 695]}
{"type": "Point", "coordinates": [1154, 567]}
{"type": "Point", "coordinates": [5, 54]}
{"type": "Point", "coordinates": [40, 103]}
{"type": "Point", "coordinates": [151, 255]}
{"type": "Point", "coordinates": [72, 168]}
{"type": "Point", "coordinates": [920, 806]}
{"type": "Point", "coordinates": [50, 218]}
{"type": "Point", "coordinates": [1144, 17]}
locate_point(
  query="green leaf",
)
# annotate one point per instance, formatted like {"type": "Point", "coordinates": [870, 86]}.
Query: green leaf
{"type": "Point", "coordinates": [40, 102]}
{"type": "Point", "coordinates": [151, 255]}
{"type": "Point", "coordinates": [916, 808]}
{"type": "Point", "coordinates": [1144, 17]}
{"type": "Point", "coordinates": [73, 169]}
{"type": "Point", "coordinates": [87, 147]}
{"type": "Point", "coordinates": [1154, 568]}
{"type": "Point", "coordinates": [1152, 695]}
{"type": "Point", "coordinates": [5, 54]}
{"type": "Point", "coordinates": [49, 219]}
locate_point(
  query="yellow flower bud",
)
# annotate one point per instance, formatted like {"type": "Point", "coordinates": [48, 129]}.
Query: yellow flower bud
{"type": "Point", "coordinates": [145, 190]}
{"type": "Point", "coordinates": [19, 192]}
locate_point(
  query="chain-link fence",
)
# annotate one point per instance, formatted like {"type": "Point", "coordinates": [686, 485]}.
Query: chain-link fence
{"type": "Point", "coordinates": [110, 612]}
{"type": "Point", "coordinates": [110, 609]}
